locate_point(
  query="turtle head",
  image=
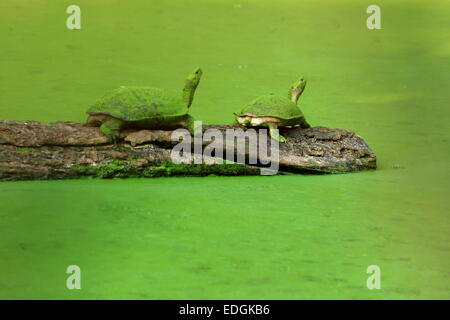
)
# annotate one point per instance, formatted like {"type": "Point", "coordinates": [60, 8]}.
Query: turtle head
{"type": "Point", "coordinates": [296, 89]}
{"type": "Point", "coordinates": [190, 86]}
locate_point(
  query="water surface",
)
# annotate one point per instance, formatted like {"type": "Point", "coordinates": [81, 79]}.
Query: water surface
{"type": "Point", "coordinates": [282, 237]}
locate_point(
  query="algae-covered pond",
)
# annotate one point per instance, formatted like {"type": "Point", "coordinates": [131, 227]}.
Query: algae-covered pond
{"type": "Point", "coordinates": [278, 237]}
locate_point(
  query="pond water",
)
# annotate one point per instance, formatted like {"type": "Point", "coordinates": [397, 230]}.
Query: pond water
{"type": "Point", "coordinates": [280, 237]}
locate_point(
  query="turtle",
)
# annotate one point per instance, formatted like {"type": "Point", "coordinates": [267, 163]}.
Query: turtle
{"type": "Point", "coordinates": [274, 111]}
{"type": "Point", "coordinates": [145, 108]}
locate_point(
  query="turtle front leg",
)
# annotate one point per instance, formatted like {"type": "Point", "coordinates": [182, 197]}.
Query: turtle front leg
{"type": "Point", "coordinates": [189, 124]}
{"type": "Point", "coordinates": [304, 124]}
{"type": "Point", "coordinates": [111, 129]}
{"type": "Point", "coordinates": [275, 134]}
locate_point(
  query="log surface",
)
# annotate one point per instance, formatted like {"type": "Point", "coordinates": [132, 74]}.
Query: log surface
{"type": "Point", "coordinates": [33, 150]}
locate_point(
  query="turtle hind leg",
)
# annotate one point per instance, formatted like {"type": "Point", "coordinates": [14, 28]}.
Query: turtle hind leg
{"type": "Point", "coordinates": [275, 134]}
{"type": "Point", "coordinates": [95, 120]}
{"type": "Point", "coordinates": [111, 129]}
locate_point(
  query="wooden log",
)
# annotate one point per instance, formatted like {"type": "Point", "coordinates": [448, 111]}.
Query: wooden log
{"type": "Point", "coordinates": [34, 150]}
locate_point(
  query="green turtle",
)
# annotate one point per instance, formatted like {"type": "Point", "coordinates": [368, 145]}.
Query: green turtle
{"type": "Point", "coordinates": [144, 107]}
{"type": "Point", "coordinates": [274, 111]}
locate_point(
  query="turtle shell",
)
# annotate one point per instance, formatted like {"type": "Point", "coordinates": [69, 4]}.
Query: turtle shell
{"type": "Point", "coordinates": [272, 106]}
{"type": "Point", "coordinates": [139, 103]}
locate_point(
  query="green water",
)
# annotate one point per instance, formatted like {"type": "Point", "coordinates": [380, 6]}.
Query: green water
{"type": "Point", "coordinates": [282, 237]}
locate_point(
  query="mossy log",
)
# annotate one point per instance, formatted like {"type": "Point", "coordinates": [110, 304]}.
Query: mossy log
{"type": "Point", "coordinates": [33, 150]}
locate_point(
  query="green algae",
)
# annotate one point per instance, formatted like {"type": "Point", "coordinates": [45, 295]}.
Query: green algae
{"type": "Point", "coordinates": [282, 237]}
{"type": "Point", "coordinates": [139, 103]}
{"type": "Point", "coordinates": [272, 105]}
